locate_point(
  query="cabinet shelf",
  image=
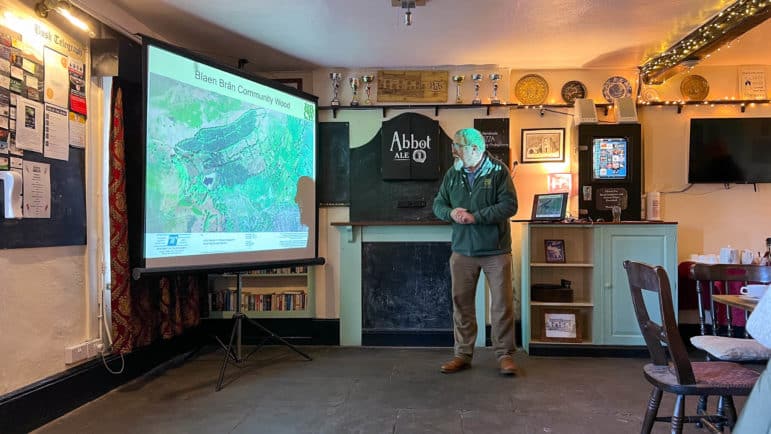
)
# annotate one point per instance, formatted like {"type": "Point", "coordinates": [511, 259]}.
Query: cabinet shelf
{"type": "Point", "coordinates": [575, 304]}
{"type": "Point", "coordinates": [562, 264]}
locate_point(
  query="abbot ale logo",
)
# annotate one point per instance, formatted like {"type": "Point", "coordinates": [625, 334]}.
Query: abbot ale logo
{"type": "Point", "coordinates": [408, 148]}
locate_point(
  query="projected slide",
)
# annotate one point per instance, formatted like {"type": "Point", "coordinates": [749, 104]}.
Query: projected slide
{"type": "Point", "coordinates": [230, 163]}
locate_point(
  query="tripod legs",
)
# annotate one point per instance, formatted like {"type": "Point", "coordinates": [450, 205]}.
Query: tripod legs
{"type": "Point", "coordinates": [230, 353]}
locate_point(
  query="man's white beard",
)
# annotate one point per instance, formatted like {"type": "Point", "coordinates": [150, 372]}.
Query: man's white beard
{"type": "Point", "coordinates": [457, 164]}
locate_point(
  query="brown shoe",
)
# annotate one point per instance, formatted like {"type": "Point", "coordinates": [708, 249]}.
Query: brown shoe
{"type": "Point", "coordinates": [455, 365]}
{"type": "Point", "coordinates": [507, 366]}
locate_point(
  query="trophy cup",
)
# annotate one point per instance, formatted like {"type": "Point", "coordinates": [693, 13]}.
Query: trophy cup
{"type": "Point", "coordinates": [477, 78]}
{"type": "Point", "coordinates": [335, 77]}
{"type": "Point", "coordinates": [458, 79]}
{"type": "Point", "coordinates": [355, 85]}
{"type": "Point", "coordinates": [494, 99]}
{"type": "Point", "coordinates": [368, 79]}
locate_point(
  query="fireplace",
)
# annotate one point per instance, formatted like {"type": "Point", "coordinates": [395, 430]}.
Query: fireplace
{"type": "Point", "coordinates": [375, 306]}
{"type": "Point", "coordinates": [406, 295]}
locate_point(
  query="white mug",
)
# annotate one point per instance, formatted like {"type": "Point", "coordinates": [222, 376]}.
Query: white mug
{"type": "Point", "coordinates": [729, 255]}
{"type": "Point", "coordinates": [747, 256]}
{"type": "Point", "coordinates": [754, 290]}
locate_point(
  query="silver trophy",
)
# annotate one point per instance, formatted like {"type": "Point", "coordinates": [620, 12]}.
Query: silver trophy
{"type": "Point", "coordinates": [477, 78]}
{"type": "Point", "coordinates": [335, 77]}
{"type": "Point", "coordinates": [458, 79]}
{"type": "Point", "coordinates": [368, 80]}
{"type": "Point", "coordinates": [494, 99]}
{"type": "Point", "coordinates": [355, 86]}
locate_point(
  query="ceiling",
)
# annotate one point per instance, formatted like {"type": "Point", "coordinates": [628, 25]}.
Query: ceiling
{"type": "Point", "coordinates": [296, 35]}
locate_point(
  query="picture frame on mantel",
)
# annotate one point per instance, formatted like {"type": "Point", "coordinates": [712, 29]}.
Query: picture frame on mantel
{"type": "Point", "coordinates": [296, 83]}
{"type": "Point", "coordinates": [543, 145]}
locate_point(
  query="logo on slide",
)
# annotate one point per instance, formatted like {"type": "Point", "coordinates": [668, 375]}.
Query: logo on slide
{"type": "Point", "coordinates": [172, 241]}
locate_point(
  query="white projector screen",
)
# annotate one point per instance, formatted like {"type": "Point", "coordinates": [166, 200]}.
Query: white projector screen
{"type": "Point", "coordinates": [230, 166]}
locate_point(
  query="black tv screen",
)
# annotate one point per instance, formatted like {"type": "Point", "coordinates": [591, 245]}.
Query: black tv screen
{"type": "Point", "coordinates": [730, 150]}
{"type": "Point", "coordinates": [230, 166]}
{"type": "Point", "coordinates": [610, 158]}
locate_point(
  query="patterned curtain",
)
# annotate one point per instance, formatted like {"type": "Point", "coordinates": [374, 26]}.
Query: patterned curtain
{"type": "Point", "coordinates": [147, 309]}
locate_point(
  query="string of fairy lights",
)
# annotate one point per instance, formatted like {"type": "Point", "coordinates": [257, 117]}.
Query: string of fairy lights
{"type": "Point", "coordinates": [725, 26]}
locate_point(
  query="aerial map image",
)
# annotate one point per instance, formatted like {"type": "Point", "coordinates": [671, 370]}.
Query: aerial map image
{"type": "Point", "coordinates": [220, 164]}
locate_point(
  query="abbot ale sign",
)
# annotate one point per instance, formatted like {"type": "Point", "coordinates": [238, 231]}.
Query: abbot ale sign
{"type": "Point", "coordinates": [409, 148]}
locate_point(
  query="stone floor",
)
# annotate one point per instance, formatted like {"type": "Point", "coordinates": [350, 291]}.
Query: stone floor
{"type": "Point", "coordinates": [374, 390]}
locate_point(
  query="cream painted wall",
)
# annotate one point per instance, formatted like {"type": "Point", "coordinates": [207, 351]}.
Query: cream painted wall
{"type": "Point", "coordinates": [47, 300]}
{"type": "Point", "coordinates": [43, 309]}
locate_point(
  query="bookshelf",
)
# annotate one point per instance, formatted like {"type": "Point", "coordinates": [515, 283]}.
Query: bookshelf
{"type": "Point", "coordinates": [272, 293]}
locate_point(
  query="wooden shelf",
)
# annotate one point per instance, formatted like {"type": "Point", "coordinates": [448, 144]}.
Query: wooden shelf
{"type": "Point", "coordinates": [562, 264]}
{"type": "Point", "coordinates": [266, 275]}
{"type": "Point", "coordinates": [575, 304]}
{"type": "Point", "coordinates": [228, 314]}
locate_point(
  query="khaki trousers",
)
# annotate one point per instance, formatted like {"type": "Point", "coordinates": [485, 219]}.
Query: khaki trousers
{"type": "Point", "coordinates": [465, 271]}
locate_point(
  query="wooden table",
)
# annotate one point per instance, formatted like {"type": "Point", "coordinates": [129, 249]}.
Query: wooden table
{"type": "Point", "coordinates": [739, 301]}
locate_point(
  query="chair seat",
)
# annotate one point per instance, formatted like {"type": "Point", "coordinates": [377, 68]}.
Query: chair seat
{"type": "Point", "coordinates": [732, 349]}
{"type": "Point", "coordinates": [712, 378]}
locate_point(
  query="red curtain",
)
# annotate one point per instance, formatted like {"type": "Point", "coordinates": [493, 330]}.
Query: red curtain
{"type": "Point", "coordinates": [147, 309]}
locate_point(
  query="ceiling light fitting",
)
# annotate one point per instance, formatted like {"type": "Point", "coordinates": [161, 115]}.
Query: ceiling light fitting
{"type": "Point", "coordinates": [722, 28]}
{"type": "Point", "coordinates": [64, 8]}
{"type": "Point", "coordinates": [408, 5]}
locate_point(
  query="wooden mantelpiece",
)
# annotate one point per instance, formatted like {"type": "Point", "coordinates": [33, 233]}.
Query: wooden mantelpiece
{"type": "Point", "coordinates": [392, 223]}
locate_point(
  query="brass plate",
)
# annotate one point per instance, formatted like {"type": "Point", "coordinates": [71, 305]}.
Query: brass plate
{"type": "Point", "coordinates": [531, 89]}
{"type": "Point", "coordinates": [694, 88]}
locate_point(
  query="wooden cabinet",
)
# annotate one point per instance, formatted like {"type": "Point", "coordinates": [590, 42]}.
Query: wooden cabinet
{"type": "Point", "coordinates": [278, 293]}
{"type": "Point", "coordinates": [600, 312]}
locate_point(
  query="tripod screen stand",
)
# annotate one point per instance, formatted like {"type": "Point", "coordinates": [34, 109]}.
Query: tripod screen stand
{"type": "Point", "coordinates": [233, 348]}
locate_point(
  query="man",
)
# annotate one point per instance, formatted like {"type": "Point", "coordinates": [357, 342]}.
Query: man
{"type": "Point", "coordinates": [477, 196]}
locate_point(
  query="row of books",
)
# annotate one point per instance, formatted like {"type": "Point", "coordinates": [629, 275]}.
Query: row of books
{"type": "Point", "coordinates": [277, 301]}
{"type": "Point", "coordinates": [295, 269]}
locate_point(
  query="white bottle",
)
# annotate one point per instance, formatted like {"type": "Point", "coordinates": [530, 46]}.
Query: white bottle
{"type": "Point", "coordinates": [653, 206]}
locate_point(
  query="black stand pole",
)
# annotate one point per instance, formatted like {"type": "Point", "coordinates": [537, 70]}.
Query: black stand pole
{"type": "Point", "coordinates": [235, 338]}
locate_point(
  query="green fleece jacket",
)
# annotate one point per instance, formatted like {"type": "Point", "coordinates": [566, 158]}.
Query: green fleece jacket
{"type": "Point", "coordinates": [492, 200]}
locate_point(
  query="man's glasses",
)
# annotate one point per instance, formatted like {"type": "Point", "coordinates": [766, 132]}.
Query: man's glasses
{"type": "Point", "coordinates": [458, 146]}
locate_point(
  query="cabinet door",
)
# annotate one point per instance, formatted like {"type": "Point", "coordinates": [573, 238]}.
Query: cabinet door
{"type": "Point", "coordinates": [653, 244]}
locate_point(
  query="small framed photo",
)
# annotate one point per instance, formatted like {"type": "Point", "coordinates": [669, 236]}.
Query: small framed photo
{"type": "Point", "coordinates": [562, 325]}
{"type": "Point", "coordinates": [296, 83]}
{"type": "Point", "coordinates": [543, 145]}
{"type": "Point", "coordinates": [554, 251]}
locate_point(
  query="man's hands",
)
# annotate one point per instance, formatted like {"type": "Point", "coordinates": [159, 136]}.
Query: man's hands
{"type": "Point", "coordinates": [462, 216]}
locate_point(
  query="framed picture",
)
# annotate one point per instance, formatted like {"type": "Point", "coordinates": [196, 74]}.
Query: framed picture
{"type": "Point", "coordinates": [560, 182]}
{"type": "Point", "coordinates": [296, 83]}
{"type": "Point", "coordinates": [554, 251]}
{"type": "Point", "coordinates": [543, 145]}
{"type": "Point", "coordinates": [561, 325]}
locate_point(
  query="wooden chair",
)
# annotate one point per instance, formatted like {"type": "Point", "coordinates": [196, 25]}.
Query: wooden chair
{"type": "Point", "coordinates": [671, 371]}
{"type": "Point", "coordinates": [708, 274]}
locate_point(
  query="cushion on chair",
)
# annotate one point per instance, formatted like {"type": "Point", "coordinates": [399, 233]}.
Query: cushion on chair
{"type": "Point", "coordinates": [732, 349]}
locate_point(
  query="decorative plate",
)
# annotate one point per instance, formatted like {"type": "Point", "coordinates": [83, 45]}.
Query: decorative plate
{"type": "Point", "coordinates": [694, 88]}
{"type": "Point", "coordinates": [650, 95]}
{"type": "Point", "coordinates": [616, 87]}
{"type": "Point", "coordinates": [573, 89]}
{"type": "Point", "coordinates": [531, 89]}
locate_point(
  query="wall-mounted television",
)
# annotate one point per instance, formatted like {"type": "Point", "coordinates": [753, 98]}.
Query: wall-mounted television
{"type": "Point", "coordinates": [230, 165]}
{"type": "Point", "coordinates": [610, 158]}
{"type": "Point", "coordinates": [730, 150]}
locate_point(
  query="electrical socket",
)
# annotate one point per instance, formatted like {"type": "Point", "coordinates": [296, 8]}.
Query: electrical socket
{"type": "Point", "coordinates": [75, 353]}
{"type": "Point", "coordinates": [94, 348]}
{"type": "Point", "coordinates": [83, 351]}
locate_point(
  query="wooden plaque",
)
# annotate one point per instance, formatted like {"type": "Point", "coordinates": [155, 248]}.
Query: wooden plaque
{"type": "Point", "coordinates": [412, 86]}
